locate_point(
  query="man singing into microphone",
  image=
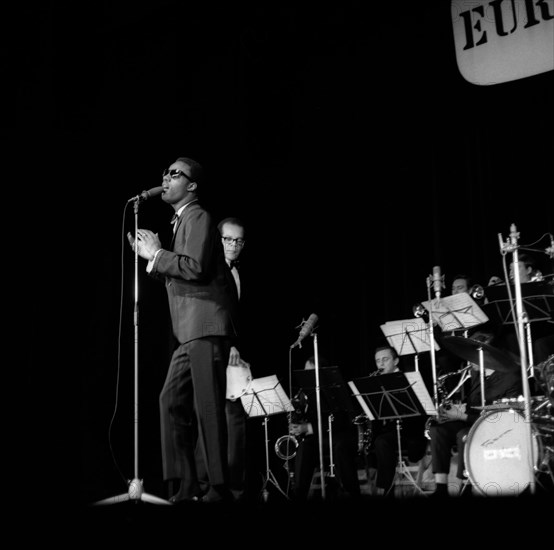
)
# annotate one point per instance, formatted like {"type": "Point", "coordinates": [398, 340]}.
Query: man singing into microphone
{"type": "Point", "coordinates": [202, 305]}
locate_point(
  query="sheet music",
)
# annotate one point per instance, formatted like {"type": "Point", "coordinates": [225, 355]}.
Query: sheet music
{"type": "Point", "coordinates": [458, 311]}
{"type": "Point", "coordinates": [266, 397]}
{"type": "Point", "coordinates": [417, 384]}
{"type": "Point", "coordinates": [408, 336]}
{"type": "Point", "coordinates": [361, 401]}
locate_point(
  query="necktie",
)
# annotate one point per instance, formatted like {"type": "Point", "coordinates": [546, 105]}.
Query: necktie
{"type": "Point", "coordinates": [174, 219]}
{"type": "Point", "coordinates": [234, 263]}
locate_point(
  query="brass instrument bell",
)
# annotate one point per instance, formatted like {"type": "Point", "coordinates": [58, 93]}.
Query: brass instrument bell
{"type": "Point", "coordinates": [420, 311]}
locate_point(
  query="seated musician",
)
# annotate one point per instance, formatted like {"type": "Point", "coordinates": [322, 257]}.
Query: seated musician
{"type": "Point", "coordinates": [449, 431]}
{"type": "Point", "coordinates": [344, 438]}
{"type": "Point", "coordinates": [383, 454]}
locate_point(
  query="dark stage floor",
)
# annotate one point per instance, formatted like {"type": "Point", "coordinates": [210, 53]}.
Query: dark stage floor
{"type": "Point", "coordinates": [285, 524]}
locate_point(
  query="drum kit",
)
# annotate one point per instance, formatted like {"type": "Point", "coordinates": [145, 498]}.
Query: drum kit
{"type": "Point", "coordinates": [497, 452]}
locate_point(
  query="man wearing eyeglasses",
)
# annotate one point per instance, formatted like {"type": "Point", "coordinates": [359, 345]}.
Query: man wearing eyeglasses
{"type": "Point", "coordinates": [202, 306]}
{"type": "Point", "coordinates": [232, 232]}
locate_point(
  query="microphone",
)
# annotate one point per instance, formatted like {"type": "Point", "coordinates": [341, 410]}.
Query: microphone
{"type": "Point", "coordinates": [306, 330]}
{"type": "Point", "coordinates": [437, 282]}
{"type": "Point", "coordinates": [154, 192]}
{"type": "Point", "coordinates": [550, 250]}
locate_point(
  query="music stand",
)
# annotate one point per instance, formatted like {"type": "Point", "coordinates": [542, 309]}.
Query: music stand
{"type": "Point", "coordinates": [393, 396]}
{"type": "Point", "coordinates": [456, 312]}
{"type": "Point", "coordinates": [335, 395]}
{"type": "Point", "coordinates": [335, 399]}
{"type": "Point", "coordinates": [408, 336]}
{"type": "Point", "coordinates": [537, 298]}
{"type": "Point", "coordinates": [537, 302]}
{"type": "Point", "coordinates": [266, 397]}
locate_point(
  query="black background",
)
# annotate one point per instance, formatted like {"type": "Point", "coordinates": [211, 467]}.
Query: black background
{"type": "Point", "coordinates": [341, 132]}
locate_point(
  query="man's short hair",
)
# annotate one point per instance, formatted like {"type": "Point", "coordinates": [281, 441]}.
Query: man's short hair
{"type": "Point", "coordinates": [196, 170]}
{"type": "Point", "coordinates": [393, 351]}
{"type": "Point", "coordinates": [231, 220]}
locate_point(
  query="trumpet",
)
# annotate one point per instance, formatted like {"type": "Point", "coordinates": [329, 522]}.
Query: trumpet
{"type": "Point", "coordinates": [420, 311]}
{"type": "Point", "coordinates": [477, 292]}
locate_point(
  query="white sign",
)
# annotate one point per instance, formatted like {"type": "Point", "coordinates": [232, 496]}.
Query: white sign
{"type": "Point", "coordinates": [501, 40]}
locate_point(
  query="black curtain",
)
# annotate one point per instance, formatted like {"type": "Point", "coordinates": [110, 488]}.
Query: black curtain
{"type": "Point", "coordinates": [342, 133]}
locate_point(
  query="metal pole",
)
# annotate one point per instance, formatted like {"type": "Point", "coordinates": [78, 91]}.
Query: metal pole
{"type": "Point", "coordinates": [319, 422]}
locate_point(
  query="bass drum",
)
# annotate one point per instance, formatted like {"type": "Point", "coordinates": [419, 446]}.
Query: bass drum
{"type": "Point", "coordinates": [497, 455]}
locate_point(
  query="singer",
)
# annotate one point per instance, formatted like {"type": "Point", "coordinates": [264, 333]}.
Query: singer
{"type": "Point", "coordinates": [194, 389]}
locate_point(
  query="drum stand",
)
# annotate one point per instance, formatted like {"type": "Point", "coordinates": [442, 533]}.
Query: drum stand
{"type": "Point", "coordinates": [401, 468]}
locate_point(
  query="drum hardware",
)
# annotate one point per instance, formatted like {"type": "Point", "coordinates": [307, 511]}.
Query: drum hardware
{"type": "Point", "coordinates": [510, 403]}
{"type": "Point", "coordinates": [469, 349]}
{"type": "Point", "coordinates": [544, 375]}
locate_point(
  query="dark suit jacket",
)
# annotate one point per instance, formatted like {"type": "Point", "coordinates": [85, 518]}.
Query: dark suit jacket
{"type": "Point", "coordinates": [497, 386]}
{"type": "Point", "coordinates": [201, 301]}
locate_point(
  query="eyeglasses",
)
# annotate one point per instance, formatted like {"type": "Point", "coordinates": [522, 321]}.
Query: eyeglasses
{"type": "Point", "coordinates": [230, 240]}
{"type": "Point", "coordinates": [174, 174]}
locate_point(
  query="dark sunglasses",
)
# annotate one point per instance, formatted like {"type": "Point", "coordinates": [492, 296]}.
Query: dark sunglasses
{"type": "Point", "coordinates": [174, 174]}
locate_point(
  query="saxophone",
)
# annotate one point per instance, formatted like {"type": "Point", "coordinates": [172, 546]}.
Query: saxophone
{"type": "Point", "coordinates": [286, 445]}
{"type": "Point", "coordinates": [445, 400]}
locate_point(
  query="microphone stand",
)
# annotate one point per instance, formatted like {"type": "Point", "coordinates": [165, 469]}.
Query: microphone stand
{"type": "Point", "coordinates": [432, 342]}
{"type": "Point", "coordinates": [512, 246]}
{"type": "Point", "coordinates": [136, 490]}
{"type": "Point", "coordinates": [319, 422]}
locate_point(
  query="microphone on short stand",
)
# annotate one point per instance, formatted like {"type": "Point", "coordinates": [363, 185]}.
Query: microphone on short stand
{"type": "Point", "coordinates": [154, 192]}
{"type": "Point", "coordinates": [306, 330]}
{"type": "Point", "coordinates": [437, 281]}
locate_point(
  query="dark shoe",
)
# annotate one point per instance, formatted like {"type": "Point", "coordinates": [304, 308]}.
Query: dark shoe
{"type": "Point", "coordinates": [216, 495]}
{"type": "Point", "coordinates": [238, 496]}
{"type": "Point", "coordinates": [185, 496]}
{"type": "Point", "coordinates": [178, 499]}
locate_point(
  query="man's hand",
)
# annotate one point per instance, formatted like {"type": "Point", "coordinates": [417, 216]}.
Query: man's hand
{"type": "Point", "coordinates": [234, 357]}
{"type": "Point", "coordinates": [148, 243]}
{"type": "Point", "coordinates": [302, 428]}
{"type": "Point", "coordinates": [456, 411]}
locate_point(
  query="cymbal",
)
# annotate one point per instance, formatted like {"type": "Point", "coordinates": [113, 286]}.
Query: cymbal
{"type": "Point", "coordinates": [468, 349]}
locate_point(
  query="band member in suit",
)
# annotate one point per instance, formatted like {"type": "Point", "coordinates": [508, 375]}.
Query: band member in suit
{"type": "Point", "coordinates": [454, 422]}
{"type": "Point", "coordinates": [232, 232]}
{"type": "Point", "coordinates": [384, 449]}
{"type": "Point", "coordinates": [344, 438]}
{"type": "Point", "coordinates": [202, 309]}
